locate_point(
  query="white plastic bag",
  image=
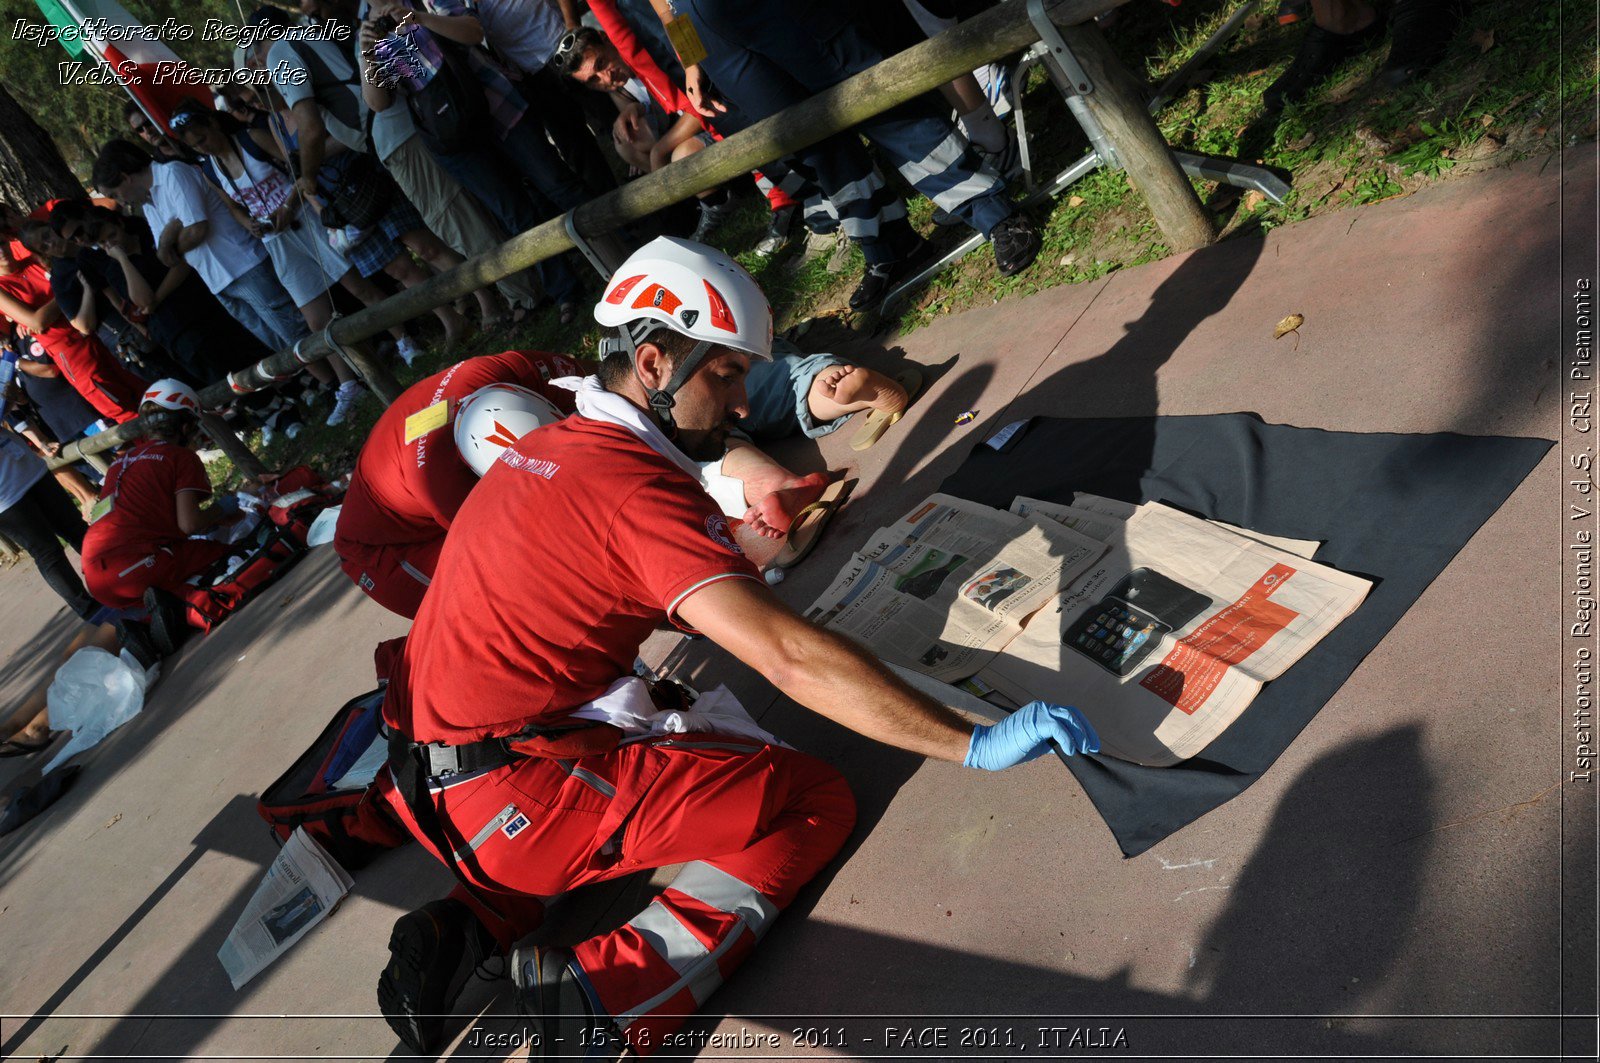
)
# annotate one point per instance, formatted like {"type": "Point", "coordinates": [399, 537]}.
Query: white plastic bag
{"type": "Point", "coordinates": [92, 695]}
{"type": "Point", "coordinates": [323, 528]}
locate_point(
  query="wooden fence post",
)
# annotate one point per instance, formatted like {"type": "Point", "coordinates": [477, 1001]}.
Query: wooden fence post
{"type": "Point", "coordinates": [1118, 104]}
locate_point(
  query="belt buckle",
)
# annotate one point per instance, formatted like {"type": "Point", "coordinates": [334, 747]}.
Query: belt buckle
{"type": "Point", "coordinates": [443, 760]}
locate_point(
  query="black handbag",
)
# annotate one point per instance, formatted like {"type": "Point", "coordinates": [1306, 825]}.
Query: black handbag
{"type": "Point", "coordinates": [451, 111]}
{"type": "Point", "coordinates": [356, 190]}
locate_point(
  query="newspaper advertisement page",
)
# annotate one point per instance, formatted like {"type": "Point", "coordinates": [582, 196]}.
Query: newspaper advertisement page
{"type": "Point", "coordinates": [945, 587]}
{"type": "Point", "coordinates": [1166, 640]}
{"type": "Point", "coordinates": [301, 887]}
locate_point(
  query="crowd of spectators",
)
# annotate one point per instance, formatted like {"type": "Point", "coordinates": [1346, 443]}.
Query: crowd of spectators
{"type": "Point", "coordinates": [401, 137]}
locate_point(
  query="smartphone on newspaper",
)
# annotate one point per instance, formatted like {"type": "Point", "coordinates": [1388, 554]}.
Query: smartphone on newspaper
{"type": "Point", "coordinates": [1122, 629]}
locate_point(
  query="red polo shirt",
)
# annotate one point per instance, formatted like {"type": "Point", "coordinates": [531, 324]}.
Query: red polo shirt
{"type": "Point", "coordinates": [576, 545]}
{"type": "Point", "coordinates": [143, 486]}
{"type": "Point", "coordinates": [409, 491]}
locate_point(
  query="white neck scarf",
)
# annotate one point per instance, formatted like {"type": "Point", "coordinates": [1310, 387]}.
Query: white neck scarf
{"type": "Point", "coordinates": [598, 404]}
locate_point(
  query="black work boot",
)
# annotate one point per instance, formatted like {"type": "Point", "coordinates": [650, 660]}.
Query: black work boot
{"type": "Point", "coordinates": [1420, 32]}
{"type": "Point", "coordinates": [1320, 54]}
{"type": "Point", "coordinates": [1016, 244]}
{"type": "Point", "coordinates": [553, 1001]}
{"type": "Point", "coordinates": [432, 953]}
{"type": "Point", "coordinates": [168, 626]}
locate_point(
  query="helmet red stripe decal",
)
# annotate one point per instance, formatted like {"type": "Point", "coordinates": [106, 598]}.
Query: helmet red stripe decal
{"type": "Point", "coordinates": [721, 316]}
{"type": "Point", "coordinates": [660, 297]}
{"type": "Point", "coordinates": [502, 436]}
{"type": "Point", "coordinates": [620, 292]}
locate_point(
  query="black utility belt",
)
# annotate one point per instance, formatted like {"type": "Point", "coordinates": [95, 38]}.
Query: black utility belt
{"type": "Point", "coordinates": [441, 761]}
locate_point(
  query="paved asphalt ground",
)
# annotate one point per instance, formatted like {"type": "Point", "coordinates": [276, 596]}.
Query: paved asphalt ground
{"type": "Point", "coordinates": [1397, 876]}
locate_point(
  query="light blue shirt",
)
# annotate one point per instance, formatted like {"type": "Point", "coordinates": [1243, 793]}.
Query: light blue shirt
{"type": "Point", "coordinates": [177, 190]}
{"type": "Point", "coordinates": [20, 469]}
{"type": "Point", "coordinates": [524, 33]}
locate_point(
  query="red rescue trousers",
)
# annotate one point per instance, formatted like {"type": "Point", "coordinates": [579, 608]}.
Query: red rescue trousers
{"type": "Point", "coordinates": [752, 823]}
{"type": "Point", "coordinates": [95, 374]}
{"type": "Point", "coordinates": [393, 576]}
{"type": "Point", "coordinates": [118, 578]}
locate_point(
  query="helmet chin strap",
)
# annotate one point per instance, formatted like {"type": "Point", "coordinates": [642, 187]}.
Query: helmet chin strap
{"type": "Point", "coordinates": [661, 399]}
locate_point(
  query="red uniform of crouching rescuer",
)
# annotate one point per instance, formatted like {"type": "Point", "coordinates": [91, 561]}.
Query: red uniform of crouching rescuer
{"type": "Point", "coordinates": [527, 757]}
{"type": "Point", "coordinates": [410, 481]}
{"type": "Point", "coordinates": [151, 503]}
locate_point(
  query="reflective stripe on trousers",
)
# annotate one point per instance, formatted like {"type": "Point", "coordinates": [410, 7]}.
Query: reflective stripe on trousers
{"type": "Point", "coordinates": [672, 941]}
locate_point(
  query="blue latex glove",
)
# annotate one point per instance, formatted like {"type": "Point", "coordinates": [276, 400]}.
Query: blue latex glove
{"type": "Point", "coordinates": [1027, 734]}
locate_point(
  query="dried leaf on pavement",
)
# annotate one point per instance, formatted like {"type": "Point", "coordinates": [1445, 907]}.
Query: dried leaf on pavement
{"type": "Point", "coordinates": [1288, 325]}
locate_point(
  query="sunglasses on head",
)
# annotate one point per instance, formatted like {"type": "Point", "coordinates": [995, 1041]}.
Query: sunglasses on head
{"type": "Point", "coordinates": [568, 47]}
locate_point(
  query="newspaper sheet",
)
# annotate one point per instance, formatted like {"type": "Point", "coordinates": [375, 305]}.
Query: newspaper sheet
{"type": "Point", "coordinates": [1166, 640]}
{"type": "Point", "coordinates": [1097, 508]}
{"type": "Point", "coordinates": [945, 587]}
{"type": "Point", "coordinates": [301, 887]}
{"type": "Point", "coordinates": [1159, 625]}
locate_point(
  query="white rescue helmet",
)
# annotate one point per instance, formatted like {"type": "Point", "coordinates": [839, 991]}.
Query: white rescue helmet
{"type": "Point", "coordinates": [172, 394]}
{"type": "Point", "coordinates": [496, 416]}
{"type": "Point", "coordinates": [694, 290]}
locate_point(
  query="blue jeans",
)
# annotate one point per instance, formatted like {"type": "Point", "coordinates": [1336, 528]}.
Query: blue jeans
{"type": "Point", "coordinates": [766, 55]}
{"type": "Point", "coordinates": [258, 300]}
{"type": "Point", "coordinates": [496, 174]}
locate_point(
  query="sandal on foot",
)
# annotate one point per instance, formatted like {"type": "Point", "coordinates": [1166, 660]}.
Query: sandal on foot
{"type": "Point", "coordinates": [877, 421]}
{"type": "Point", "coordinates": [810, 522]}
{"type": "Point", "coordinates": [11, 747]}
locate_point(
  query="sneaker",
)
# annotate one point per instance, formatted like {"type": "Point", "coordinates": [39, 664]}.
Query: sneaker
{"type": "Point", "coordinates": [550, 995]}
{"type": "Point", "coordinates": [1420, 32]}
{"type": "Point", "coordinates": [407, 349]}
{"type": "Point", "coordinates": [1320, 53]}
{"type": "Point", "coordinates": [432, 952]}
{"type": "Point", "coordinates": [167, 624]}
{"type": "Point", "coordinates": [712, 216]}
{"type": "Point", "coordinates": [1016, 244]}
{"type": "Point", "coordinates": [781, 232]}
{"type": "Point", "coordinates": [1293, 11]}
{"type": "Point", "coordinates": [345, 400]}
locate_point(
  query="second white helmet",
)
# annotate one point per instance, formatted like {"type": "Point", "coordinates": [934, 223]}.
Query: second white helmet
{"type": "Point", "coordinates": [496, 416]}
{"type": "Point", "coordinates": [172, 394]}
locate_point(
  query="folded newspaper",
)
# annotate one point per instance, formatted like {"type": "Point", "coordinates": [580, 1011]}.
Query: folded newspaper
{"type": "Point", "coordinates": [1159, 626]}
{"type": "Point", "coordinates": [302, 886]}
{"type": "Point", "coordinates": [944, 588]}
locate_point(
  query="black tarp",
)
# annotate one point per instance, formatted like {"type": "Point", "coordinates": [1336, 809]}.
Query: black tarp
{"type": "Point", "coordinates": [1393, 508]}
